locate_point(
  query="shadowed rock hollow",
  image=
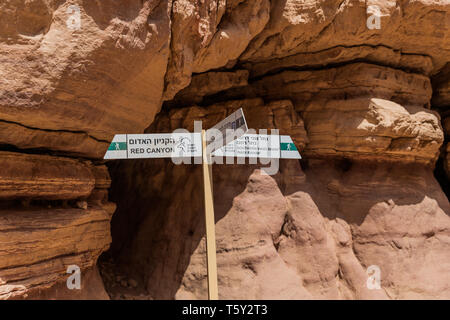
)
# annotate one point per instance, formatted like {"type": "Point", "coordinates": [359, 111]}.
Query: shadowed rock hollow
{"type": "Point", "coordinates": [368, 110]}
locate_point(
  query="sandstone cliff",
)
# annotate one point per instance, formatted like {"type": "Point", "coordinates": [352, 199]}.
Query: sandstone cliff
{"type": "Point", "coordinates": [368, 109]}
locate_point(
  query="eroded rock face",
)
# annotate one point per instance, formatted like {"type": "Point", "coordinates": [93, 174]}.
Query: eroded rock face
{"type": "Point", "coordinates": [345, 82]}
{"type": "Point", "coordinates": [368, 108]}
{"type": "Point", "coordinates": [39, 244]}
{"type": "Point", "coordinates": [44, 177]}
{"type": "Point", "coordinates": [103, 78]}
{"type": "Point", "coordinates": [373, 129]}
{"type": "Point", "coordinates": [314, 235]}
{"type": "Point", "coordinates": [209, 35]}
{"type": "Point", "coordinates": [358, 111]}
{"type": "Point", "coordinates": [68, 90]}
{"type": "Point", "coordinates": [57, 216]}
{"type": "Point", "coordinates": [91, 289]}
{"type": "Point", "coordinates": [208, 84]}
{"type": "Point", "coordinates": [298, 27]}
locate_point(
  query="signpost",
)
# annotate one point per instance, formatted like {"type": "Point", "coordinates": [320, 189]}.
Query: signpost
{"type": "Point", "coordinates": [233, 142]}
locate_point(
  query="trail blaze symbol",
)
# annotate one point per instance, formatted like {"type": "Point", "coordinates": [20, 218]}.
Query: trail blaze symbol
{"type": "Point", "coordinates": [117, 146]}
{"type": "Point", "coordinates": [287, 146]}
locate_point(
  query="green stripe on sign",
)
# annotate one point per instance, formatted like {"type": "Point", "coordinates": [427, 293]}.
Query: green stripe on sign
{"type": "Point", "coordinates": [287, 146]}
{"type": "Point", "coordinates": [117, 146]}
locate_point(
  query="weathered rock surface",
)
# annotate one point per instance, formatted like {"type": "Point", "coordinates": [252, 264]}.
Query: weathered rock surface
{"type": "Point", "coordinates": [416, 27]}
{"type": "Point", "coordinates": [379, 55]}
{"type": "Point", "coordinates": [373, 129]}
{"type": "Point", "coordinates": [441, 103]}
{"type": "Point", "coordinates": [447, 161]}
{"type": "Point", "coordinates": [349, 111]}
{"type": "Point", "coordinates": [210, 34]}
{"type": "Point", "coordinates": [69, 143]}
{"type": "Point", "coordinates": [319, 232]}
{"type": "Point", "coordinates": [63, 220]}
{"type": "Point", "coordinates": [108, 76]}
{"type": "Point", "coordinates": [207, 84]}
{"type": "Point", "coordinates": [43, 177]}
{"type": "Point", "coordinates": [105, 77]}
{"type": "Point", "coordinates": [341, 83]}
{"type": "Point", "coordinates": [37, 245]}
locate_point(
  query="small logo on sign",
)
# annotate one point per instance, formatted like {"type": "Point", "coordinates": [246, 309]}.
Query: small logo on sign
{"type": "Point", "coordinates": [185, 146]}
{"type": "Point", "coordinates": [183, 143]}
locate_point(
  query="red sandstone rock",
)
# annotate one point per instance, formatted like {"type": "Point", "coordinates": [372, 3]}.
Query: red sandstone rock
{"type": "Point", "coordinates": [373, 129]}
{"type": "Point", "coordinates": [295, 27]}
{"type": "Point", "coordinates": [37, 245]}
{"type": "Point", "coordinates": [104, 78]}
{"type": "Point", "coordinates": [43, 177]}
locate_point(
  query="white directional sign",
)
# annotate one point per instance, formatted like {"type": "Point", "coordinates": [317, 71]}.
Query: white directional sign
{"type": "Point", "coordinates": [260, 146]}
{"type": "Point", "coordinates": [232, 127]}
{"type": "Point", "coordinates": [161, 145]}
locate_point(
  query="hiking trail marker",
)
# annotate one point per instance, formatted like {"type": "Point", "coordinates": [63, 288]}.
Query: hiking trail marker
{"type": "Point", "coordinates": [228, 138]}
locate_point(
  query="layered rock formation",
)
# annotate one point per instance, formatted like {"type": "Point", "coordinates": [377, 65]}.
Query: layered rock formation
{"type": "Point", "coordinates": [367, 106]}
{"type": "Point", "coordinates": [54, 214]}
